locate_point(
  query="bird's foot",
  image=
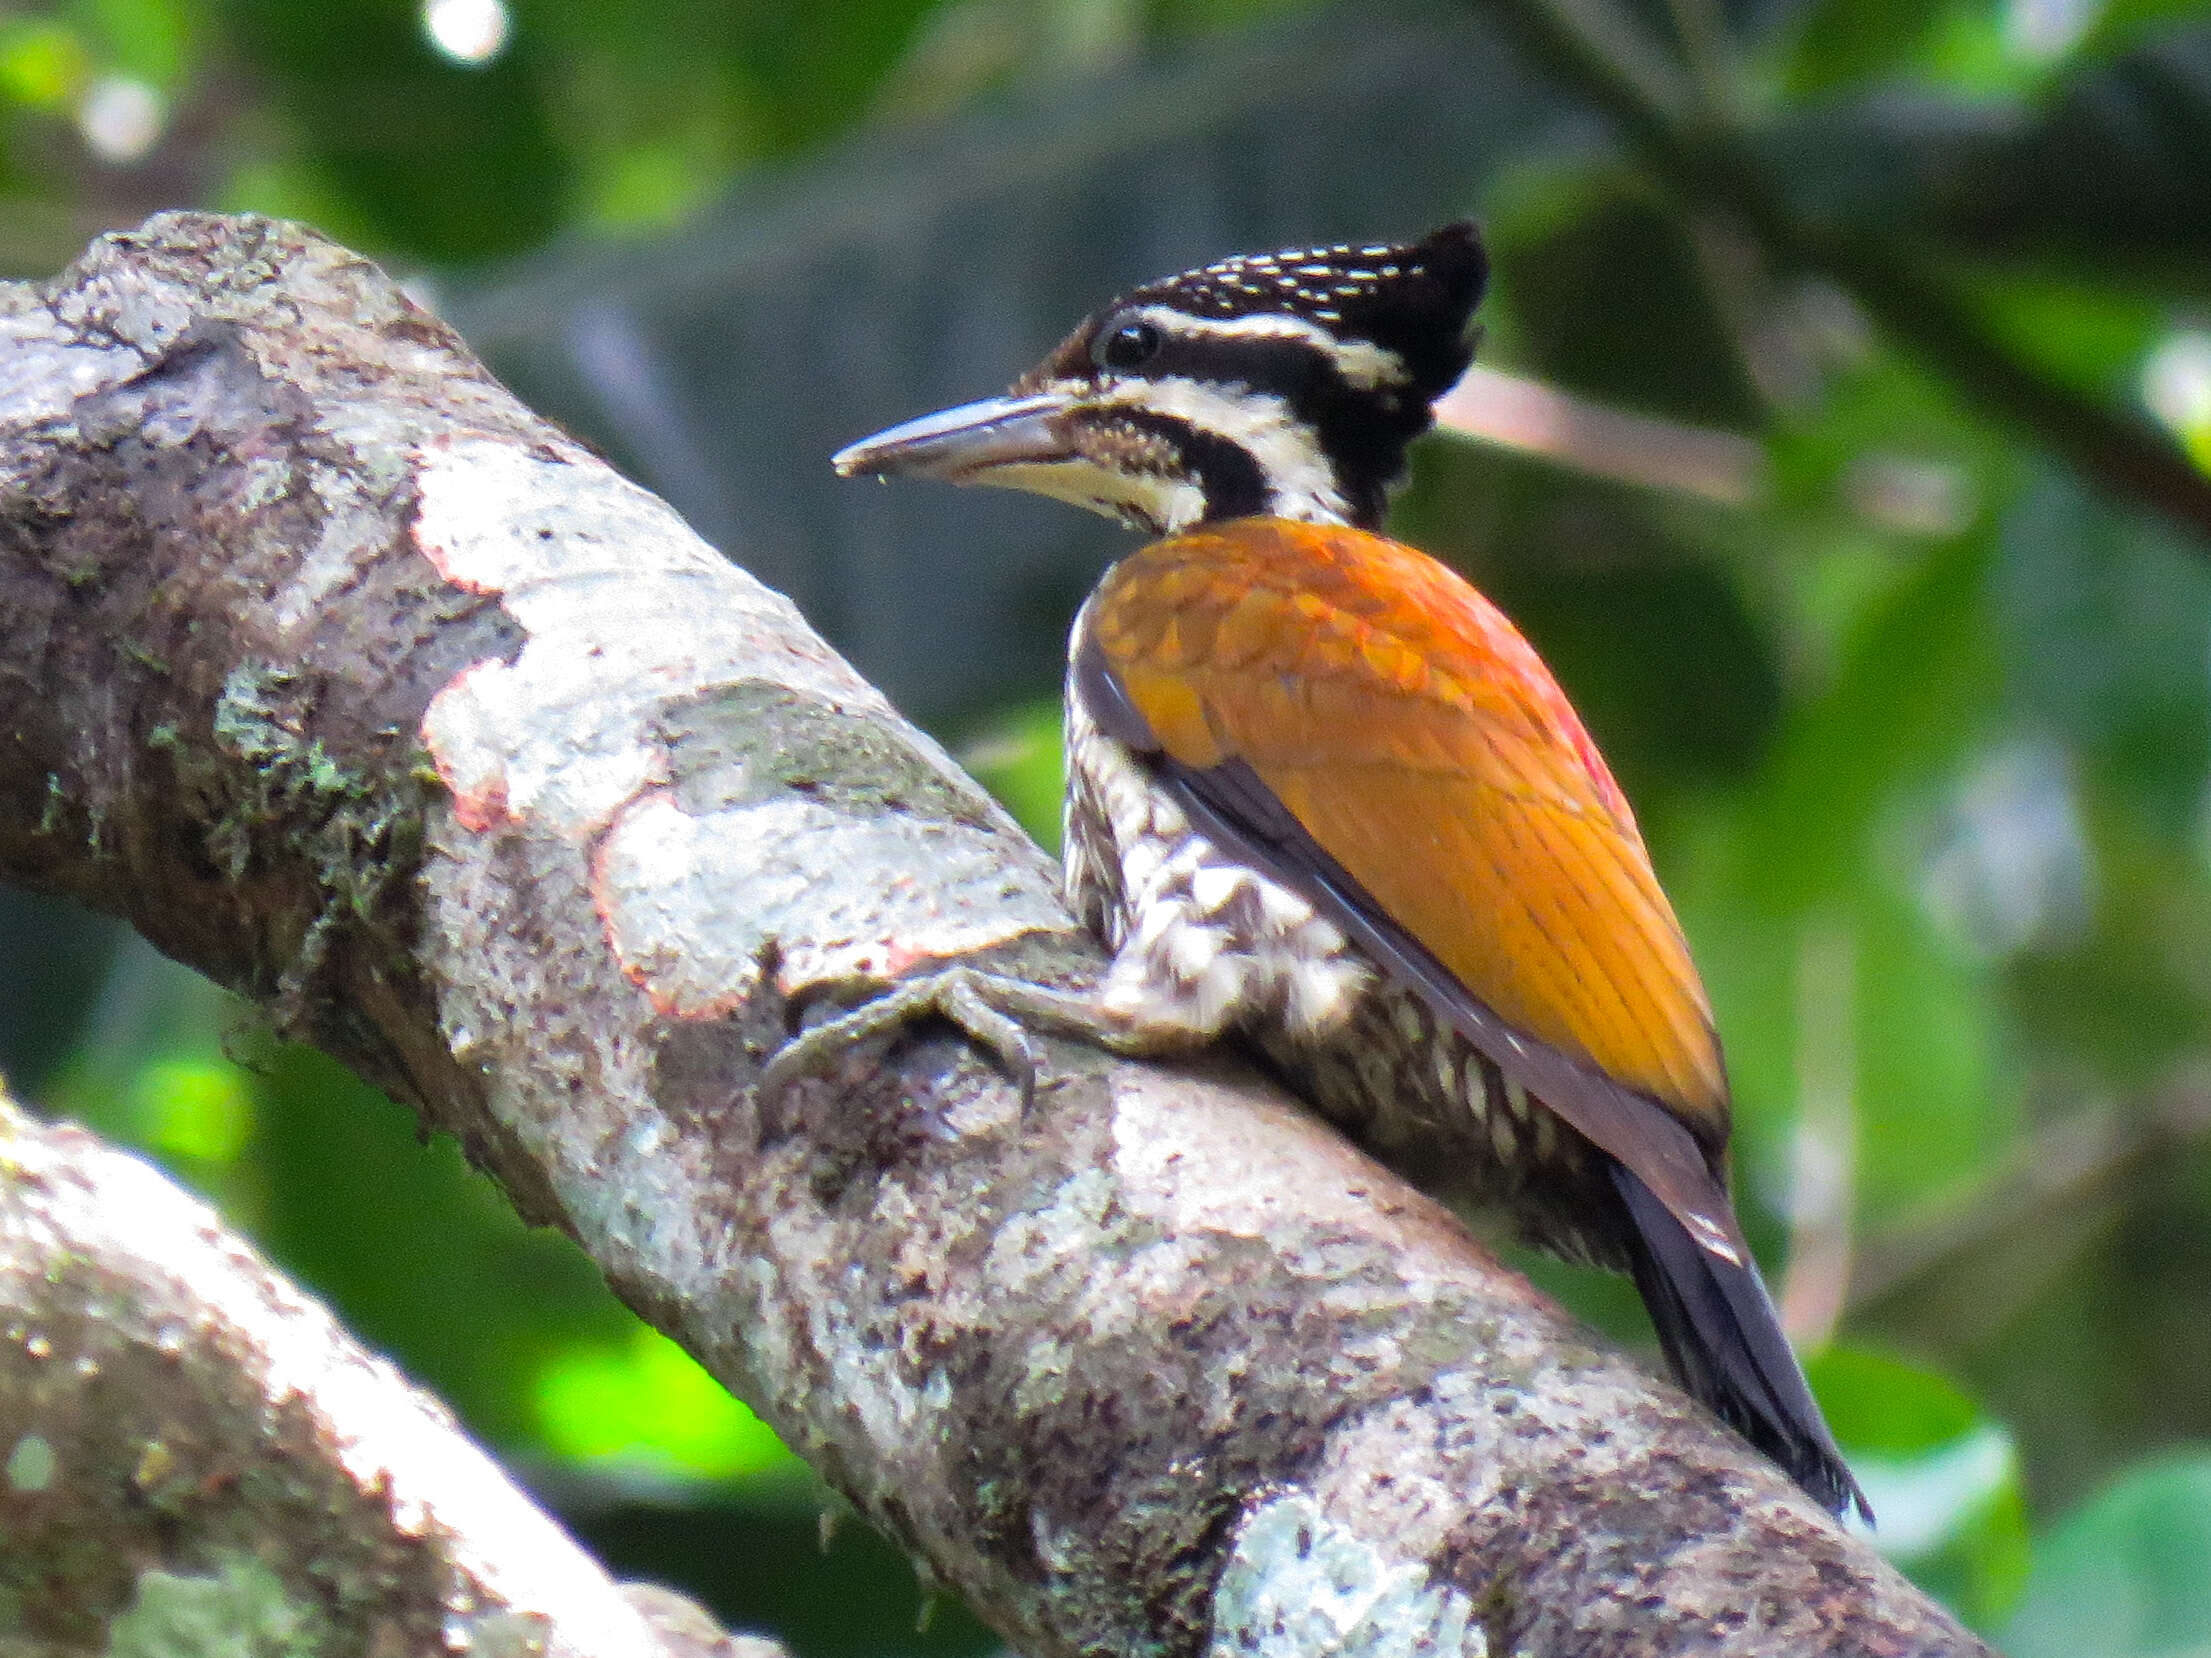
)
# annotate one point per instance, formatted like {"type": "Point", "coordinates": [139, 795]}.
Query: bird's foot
{"type": "Point", "coordinates": [991, 1010]}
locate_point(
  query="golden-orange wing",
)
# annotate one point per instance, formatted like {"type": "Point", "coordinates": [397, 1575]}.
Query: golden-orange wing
{"type": "Point", "coordinates": [1407, 729]}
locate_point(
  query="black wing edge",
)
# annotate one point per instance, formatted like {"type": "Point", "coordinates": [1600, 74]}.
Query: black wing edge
{"type": "Point", "coordinates": [1714, 1319]}
{"type": "Point", "coordinates": [1238, 812]}
{"type": "Point", "coordinates": [1724, 1343]}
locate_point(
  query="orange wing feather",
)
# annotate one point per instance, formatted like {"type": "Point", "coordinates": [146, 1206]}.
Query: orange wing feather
{"type": "Point", "coordinates": [1420, 741]}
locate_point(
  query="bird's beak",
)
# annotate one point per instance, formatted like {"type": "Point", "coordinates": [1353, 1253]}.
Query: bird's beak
{"type": "Point", "coordinates": [962, 444]}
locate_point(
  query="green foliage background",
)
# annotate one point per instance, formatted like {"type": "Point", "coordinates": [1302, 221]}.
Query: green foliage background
{"type": "Point", "coordinates": [1919, 724]}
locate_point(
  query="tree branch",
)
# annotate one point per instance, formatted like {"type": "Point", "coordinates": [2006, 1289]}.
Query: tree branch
{"type": "Point", "coordinates": [197, 1458]}
{"type": "Point", "coordinates": [351, 682]}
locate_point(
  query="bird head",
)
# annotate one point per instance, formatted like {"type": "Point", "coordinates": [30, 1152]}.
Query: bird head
{"type": "Point", "coordinates": [1283, 383]}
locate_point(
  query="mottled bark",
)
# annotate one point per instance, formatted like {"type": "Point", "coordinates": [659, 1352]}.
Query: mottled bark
{"type": "Point", "coordinates": [194, 1458]}
{"type": "Point", "coordinates": [352, 683]}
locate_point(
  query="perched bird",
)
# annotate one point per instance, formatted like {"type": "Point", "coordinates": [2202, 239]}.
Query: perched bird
{"type": "Point", "coordinates": [1322, 797]}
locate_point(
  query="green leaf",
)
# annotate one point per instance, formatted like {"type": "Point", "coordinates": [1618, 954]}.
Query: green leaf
{"type": "Point", "coordinates": [1942, 1476]}
{"type": "Point", "coordinates": [2126, 1576]}
{"type": "Point", "coordinates": [1884, 1406]}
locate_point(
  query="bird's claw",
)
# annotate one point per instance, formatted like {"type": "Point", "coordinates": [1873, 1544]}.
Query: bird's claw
{"type": "Point", "coordinates": [962, 996]}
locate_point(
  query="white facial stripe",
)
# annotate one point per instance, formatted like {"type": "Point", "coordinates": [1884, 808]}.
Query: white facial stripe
{"type": "Point", "coordinates": [1301, 482]}
{"type": "Point", "coordinates": [1361, 362]}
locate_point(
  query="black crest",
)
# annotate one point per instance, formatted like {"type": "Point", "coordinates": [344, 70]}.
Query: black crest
{"type": "Point", "coordinates": [1415, 299]}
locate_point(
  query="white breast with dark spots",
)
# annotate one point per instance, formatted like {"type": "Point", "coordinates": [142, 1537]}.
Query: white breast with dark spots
{"type": "Point", "coordinates": [1202, 943]}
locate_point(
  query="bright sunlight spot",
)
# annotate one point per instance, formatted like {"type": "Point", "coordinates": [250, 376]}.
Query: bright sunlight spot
{"type": "Point", "coordinates": [2043, 31]}
{"type": "Point", "coordinates": [648, 1403]}
{"type": "Point", "coordinates": [467, 31]}
{"type": "Point", "coordinates": [2012, 866]}
{"type": "Point", "coordinates": [2176, 384]}
{"type": "Point", "coordinates": [121, 118]}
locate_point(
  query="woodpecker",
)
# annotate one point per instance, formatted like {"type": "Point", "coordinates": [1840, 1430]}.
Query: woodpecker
{"type": "Point", "coordinates": [1324, 799]}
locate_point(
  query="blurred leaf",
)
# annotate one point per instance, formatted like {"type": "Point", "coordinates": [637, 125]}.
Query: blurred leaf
{"type": "Point", "coordinates": [150, 1070]}
{"type": "Point", "coordinates": [1606, 295]}
{"type": "Point", "coordinates": [1805, 863]}
{"type": "Point", "coordinates": [436, 160]}
{"type": "Point", "coordinates": [151, 39]}
{"type": "Point", "coordinates": [422, 1257]}
{"type": "Point", "coordinates": [2130, 996]}
{"type": "Point", "coordinates": [43, 64]}
{"type": "Point", "coordinates": [1017, 758]}
{"type": "Point", "coordinates": [2120, 23]}
{"type": "Point", "coordinates": [1913, 686]}
{"type": "Point", "coordinates": [1875, 406]}
{"type": "Point", "coordinates": [2091, 335]}
{"type": "Point", "coordinates": [44, 1014]}
{"type": "Point", "coordinates": [1985, 49]}
{"type": "Point", "coordinates": [1990, 50]}
{"type": "Point", "coordinates": [1839, 43]}
{"type": "Point", "coordinates": [1922, 1045]}
{"type": "Point", "coordinates": [2105, 619]}
{"type": "Point", "coordinates": [647, 1403]}
{"type": "Point", "coordinates": [197, 1109]}
{"type": "Point", "coordinates": [2115, 165]}
{"type": "Point", "coordinates": [1942, 1477]}
{"type": "Point", "coordinates": [2176, 384]}
{"type": "Point", "coordinates": [1883, 1406]}
{"type": "Point", "coordinates": [645, 185]}
{"type": "Point", "coordinates": [2126, 1576]}
{"type": "Point", "coordinates": [1935, 1097]}
{"type": "Point", "coordinates": [2101, 171]}
{"type": "Point", "coordinates": [295, 187]}
{"type": "Point", "coordinates": [812, 67]}
{"type": "Point", "coordinates": [643, 99]}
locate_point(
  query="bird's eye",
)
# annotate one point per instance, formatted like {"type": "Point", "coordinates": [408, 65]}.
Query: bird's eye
{"type": "Point", "coordinates": [1131, 345]}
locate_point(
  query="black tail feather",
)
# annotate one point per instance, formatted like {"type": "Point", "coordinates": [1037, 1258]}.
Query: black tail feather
{"type": "Point", "coordinates": [1723, 1339]}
